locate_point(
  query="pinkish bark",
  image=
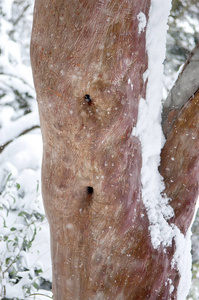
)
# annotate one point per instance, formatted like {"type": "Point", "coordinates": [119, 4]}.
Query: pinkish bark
{"type": "Point", "coordinates": [100, 241]}
{"type": "Point", "coordinates": [180, 163]}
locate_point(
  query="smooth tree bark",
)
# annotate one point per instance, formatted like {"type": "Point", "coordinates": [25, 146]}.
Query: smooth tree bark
{"type": "Point", "coordinates": [180, 155]}
{"type": "Point", "coordinates": [88, 60]}
{"type": "Point", "coordinates": [180, 164]}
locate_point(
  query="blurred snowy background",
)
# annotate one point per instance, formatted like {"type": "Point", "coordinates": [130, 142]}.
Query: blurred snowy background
{"type": "Point", "coordinates": [25, 264]}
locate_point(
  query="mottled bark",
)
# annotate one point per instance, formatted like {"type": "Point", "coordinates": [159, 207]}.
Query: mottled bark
{"type": "Point", "coordinates": [91, 179]}
{"type": "Point", "coordinates": [180, 155]}
{"type": "Point", "coordinates": [180, 163]}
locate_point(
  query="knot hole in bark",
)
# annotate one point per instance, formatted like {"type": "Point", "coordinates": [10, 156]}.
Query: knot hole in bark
{"type": "Point", "coordinates": [88, 99]}
{"type": "Point", "coordinates": [89, 190]}
{"type": "Point", "coordinates": [86, 201]}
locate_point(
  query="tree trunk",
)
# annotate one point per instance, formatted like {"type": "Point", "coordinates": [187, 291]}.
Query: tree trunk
{"type": "Point", "coordinates": [85, 56]}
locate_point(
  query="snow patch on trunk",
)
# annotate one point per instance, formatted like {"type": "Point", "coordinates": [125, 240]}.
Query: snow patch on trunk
{"type": "Point", "coordinates": [150, 133]}
{"type": "Point", "coordinates": [142, 21]}
{"type": "Point", "coordinates": [149, 128]}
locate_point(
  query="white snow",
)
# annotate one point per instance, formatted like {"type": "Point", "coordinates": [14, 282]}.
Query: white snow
{"type": "Point", "coordinates": [14, 129]}
{"type": "Point", "coordinates": [142, 22]}
{"type": "Point", "coordinates": [130, 83]}
{"type": "Point", "coordinates": [182, 261]}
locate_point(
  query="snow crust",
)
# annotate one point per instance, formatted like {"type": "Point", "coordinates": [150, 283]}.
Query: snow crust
{"type": "Point", "coordinates": [149, 127]}
{"type": "Point", "coordinates": [150, 133]}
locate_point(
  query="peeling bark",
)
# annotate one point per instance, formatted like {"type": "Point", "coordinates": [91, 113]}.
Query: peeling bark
{"type": "Point", "coordinates": [86, 55]}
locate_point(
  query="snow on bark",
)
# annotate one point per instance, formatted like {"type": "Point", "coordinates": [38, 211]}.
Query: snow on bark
{"type": "Point", "coordinates": [142, 21]}
{"type": "Point", "coordinates": [149, 128]}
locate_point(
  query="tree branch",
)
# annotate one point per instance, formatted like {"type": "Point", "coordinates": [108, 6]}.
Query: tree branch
{"type": "Point", "coordinates": [2, 147]}
{"type": "Point", "coordinates": [185, 87]}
